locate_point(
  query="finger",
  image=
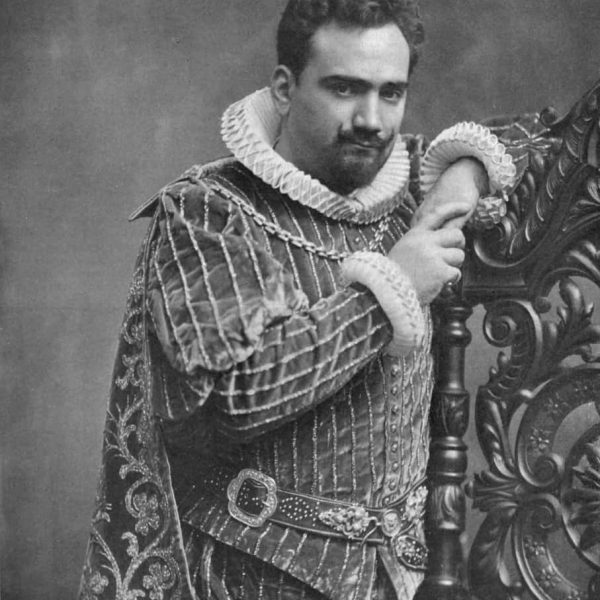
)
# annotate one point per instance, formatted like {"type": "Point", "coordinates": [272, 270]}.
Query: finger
{"type": "Point", "coordinates": [450, 238]}
{"type": "Point", "coordinates": [456, 223]}
{"type": "Point", "coordinates": [436, 217]}
{"type": "Point", "coordinates": [454, 275]}
{"type": "Point", "coordinates": [454, 257]}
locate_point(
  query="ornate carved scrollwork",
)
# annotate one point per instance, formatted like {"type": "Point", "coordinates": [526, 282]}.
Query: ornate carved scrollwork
{"type": "Point", "coordinates": [538, 417]}
{"type": "Point", "coordinates": [541, 490]}
{"type": "Point", "coordinates": [558, 187]}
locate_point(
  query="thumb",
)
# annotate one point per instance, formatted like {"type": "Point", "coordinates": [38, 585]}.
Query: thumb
{"type": "Point", "coordinates": [438, 216]}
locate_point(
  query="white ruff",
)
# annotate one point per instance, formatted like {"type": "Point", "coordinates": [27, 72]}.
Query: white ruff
{"type": "Point", "coordinates": [249, 129]}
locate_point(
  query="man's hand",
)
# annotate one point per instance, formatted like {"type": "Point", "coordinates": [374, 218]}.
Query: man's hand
{"type": "Point", "coordinates": [464, 181]}
{"type": "Point", "coordinates": [430, 254]}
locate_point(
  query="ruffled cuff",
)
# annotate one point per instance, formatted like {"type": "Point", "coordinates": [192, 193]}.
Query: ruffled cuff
{"type": "Point", "coordinates": [394, 292]}
{"type": "Point", "coordinates": [470, 139]}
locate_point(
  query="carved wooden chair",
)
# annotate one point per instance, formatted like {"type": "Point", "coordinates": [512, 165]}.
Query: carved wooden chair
{"type": "Point", "coordinates": [538, 416]}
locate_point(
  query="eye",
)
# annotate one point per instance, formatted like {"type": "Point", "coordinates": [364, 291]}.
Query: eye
{"type": "Point", "coordinates": [393, 94]}
{"type": "Point", "coordinates": [342, 88]}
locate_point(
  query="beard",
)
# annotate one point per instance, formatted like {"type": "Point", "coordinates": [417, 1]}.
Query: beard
{"type": "Point", "coordinates": [355, 159]}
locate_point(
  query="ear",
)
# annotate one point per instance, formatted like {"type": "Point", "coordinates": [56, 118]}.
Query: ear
{"type": "Point", "coordinates": [283, 84]}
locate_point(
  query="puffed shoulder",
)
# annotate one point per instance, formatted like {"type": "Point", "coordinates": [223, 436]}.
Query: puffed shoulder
{"type": "Point", "coordinates": [212, 290]}
{"type": "Point", "coordinates": [193, 175]}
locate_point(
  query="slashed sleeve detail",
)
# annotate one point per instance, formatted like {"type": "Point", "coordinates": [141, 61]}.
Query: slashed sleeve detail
{"type": "Point", "coordinates": [304, 360]}
{"type": "Point", "coordinates": [211, 295]}
{"type": "Point", "coordinates": [226, 310]}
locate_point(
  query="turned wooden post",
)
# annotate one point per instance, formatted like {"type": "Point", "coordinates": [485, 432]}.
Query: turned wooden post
{"type": "Point", "coordinates": [445, 520]}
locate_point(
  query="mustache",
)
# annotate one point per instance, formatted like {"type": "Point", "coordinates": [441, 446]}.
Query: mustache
{"type": "Point", "coordinates": [364, 138]}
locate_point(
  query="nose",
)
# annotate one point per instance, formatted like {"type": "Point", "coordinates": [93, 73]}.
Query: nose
{"type": "Point", "coordinates": [367, 114]}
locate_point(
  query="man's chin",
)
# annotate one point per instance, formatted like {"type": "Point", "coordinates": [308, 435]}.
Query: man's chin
{"type": "Point", "coordinates": [361, 170]}
{"type": "Point", "coordinates": [349, 178]}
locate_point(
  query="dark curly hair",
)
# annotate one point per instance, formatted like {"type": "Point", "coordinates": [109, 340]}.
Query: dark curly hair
{"type": "Point", "coordinates": [301, 18]}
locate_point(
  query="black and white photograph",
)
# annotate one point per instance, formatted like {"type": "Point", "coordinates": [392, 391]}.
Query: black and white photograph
{"type": "Point", "coordinates": [299, 300]}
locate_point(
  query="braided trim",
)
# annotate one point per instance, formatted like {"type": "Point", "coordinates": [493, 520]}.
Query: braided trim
{"type": "Point", "coordinates": [394, 292]}
{"type": "Point", "coordinates": [468, 139]}
{"type": "Point", "coordinates": [295, 240]}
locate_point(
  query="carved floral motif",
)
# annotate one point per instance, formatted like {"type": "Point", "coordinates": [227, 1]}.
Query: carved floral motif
{"type": "Point", "coordinates": [533, 547]}
{"type": "Point", "coordinates": [586, 499]}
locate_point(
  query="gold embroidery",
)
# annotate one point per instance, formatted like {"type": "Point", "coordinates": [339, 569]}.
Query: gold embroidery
{"type": "Point", "coordinates": [145, 555]}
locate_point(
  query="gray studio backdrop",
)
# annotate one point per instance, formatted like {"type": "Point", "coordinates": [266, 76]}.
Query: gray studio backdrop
{"type": "Point", "coordinates": [104, 101]}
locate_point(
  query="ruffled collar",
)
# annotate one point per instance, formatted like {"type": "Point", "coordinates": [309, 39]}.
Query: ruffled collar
{"type": "Point", "coordinates": [249, 129]}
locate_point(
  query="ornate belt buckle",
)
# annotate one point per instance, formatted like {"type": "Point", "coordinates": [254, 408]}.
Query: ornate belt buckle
{"type": "Point", "coordinates": [351, 521]}
{"type": "Point", "coordinates": [411, 552]}
{"type": "Point", "coordinates": [269, 504]}
{"type": "Point", "coordinates": [391, 523]}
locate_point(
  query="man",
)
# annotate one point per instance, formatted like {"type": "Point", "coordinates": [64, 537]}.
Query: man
{"type": "Point", "coordinates": [267, 435]}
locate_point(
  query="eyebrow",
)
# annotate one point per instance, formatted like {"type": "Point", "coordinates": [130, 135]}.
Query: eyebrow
{"type": "Point", "coordinates": [401, 86]}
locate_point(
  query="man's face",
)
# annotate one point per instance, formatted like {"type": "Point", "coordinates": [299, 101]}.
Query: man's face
{"type": "Point", "coordinates": [346, 107]}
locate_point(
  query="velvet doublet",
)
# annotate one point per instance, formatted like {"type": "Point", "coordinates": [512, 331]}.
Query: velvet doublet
{"type": "Point", "coordinates": [297, 384]}
{"type": "Point", "coordinates": [256, 355]}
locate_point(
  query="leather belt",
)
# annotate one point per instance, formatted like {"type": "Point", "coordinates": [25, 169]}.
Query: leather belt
{"type": "Point", "coordinates": [253, 498]}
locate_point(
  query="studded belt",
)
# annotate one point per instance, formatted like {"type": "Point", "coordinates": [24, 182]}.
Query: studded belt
{"type": "Point", "coordinates": [253, 498]}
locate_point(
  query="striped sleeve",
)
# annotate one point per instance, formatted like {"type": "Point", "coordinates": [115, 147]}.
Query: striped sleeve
{"type": "Point", "coordinates": [301, 362]}
{"type": "Point", "coordinates": [225, 309]}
